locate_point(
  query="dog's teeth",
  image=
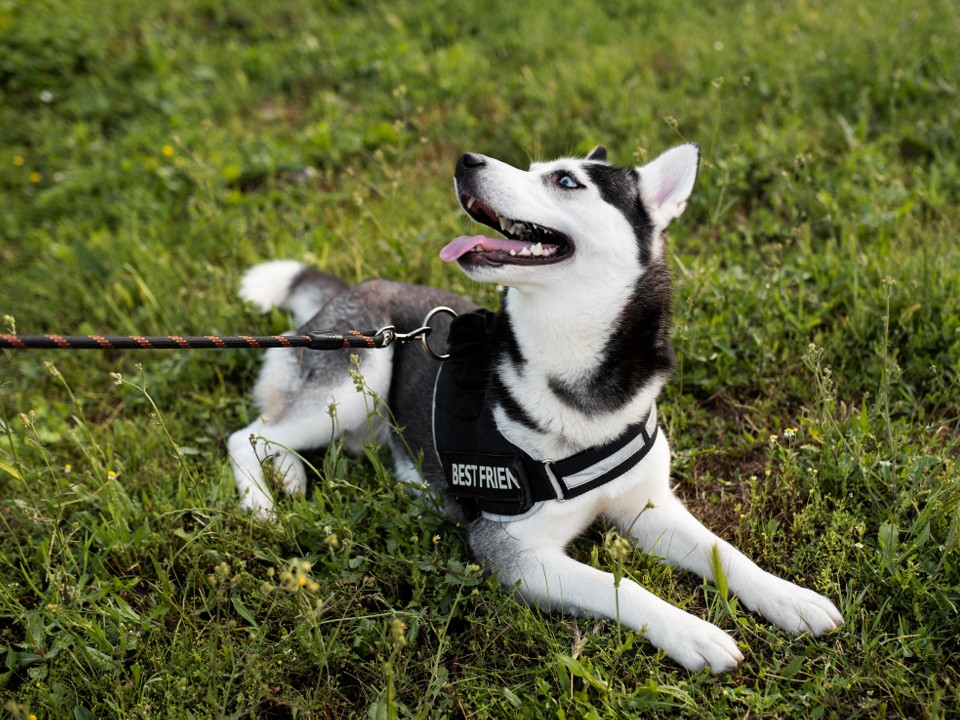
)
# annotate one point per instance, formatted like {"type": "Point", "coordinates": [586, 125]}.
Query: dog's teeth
{"type": "Point", "coordinates": [513, 252]}
{"type": "Point", "coordinates": [470, 202]}
{"type": "Point", "coordinates": [518, 228]}
{"type": "Point", "coordinates": [525, 252]}
{"type": "Point", "coordinates": [504, 223]}
{"type": "Point", "coordinates": [537, 250]}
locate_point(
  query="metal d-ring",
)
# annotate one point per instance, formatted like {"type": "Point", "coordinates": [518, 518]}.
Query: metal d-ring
{"type": "Point", "coordinates": [428, 330]}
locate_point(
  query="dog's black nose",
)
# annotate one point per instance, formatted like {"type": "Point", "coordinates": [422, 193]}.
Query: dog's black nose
{"type": "Point", "coordinates": [470, 161]}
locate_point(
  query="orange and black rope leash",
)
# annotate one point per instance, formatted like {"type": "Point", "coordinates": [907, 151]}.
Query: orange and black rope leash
{"type": "Point", "coordinates": [313, 341]}
{"type": "Point", "coordinates": [322, 340]}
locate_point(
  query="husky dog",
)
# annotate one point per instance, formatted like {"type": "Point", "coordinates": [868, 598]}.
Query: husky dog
{"type": "Point", "coordinates": [576, 358]}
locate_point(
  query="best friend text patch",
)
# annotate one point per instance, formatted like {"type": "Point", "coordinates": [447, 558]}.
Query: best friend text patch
{"type": "Point", "coordinates": [493, 478]}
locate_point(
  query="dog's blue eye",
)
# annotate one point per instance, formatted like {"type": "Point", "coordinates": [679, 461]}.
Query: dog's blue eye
{"type": "Point", "coordinates": [568, 182]}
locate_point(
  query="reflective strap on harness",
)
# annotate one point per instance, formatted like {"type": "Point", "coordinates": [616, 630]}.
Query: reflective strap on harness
{"type": "Point", "coordinates": [597, 466]}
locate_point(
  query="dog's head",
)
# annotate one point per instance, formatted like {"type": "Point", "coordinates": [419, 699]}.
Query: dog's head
{"type": "Point", "coordinates": [577, 216]}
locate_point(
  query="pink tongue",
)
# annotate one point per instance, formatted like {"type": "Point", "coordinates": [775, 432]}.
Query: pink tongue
{"type": "Point", "coordinates": [465, 243]}
{"type": "Point", "coordinates": [460, 246]}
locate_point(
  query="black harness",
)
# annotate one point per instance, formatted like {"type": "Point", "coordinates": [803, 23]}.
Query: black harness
{"type": "Point", "coordinates": [487, 473]}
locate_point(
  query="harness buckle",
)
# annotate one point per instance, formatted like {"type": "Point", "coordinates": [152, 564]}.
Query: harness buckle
{"type": "Point", "coordinates": [547, 466]}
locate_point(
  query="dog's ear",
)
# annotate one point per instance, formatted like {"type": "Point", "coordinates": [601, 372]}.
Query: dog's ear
{"type": "Point", "coordinates": [667, 181]}
{"type": "Point", "coordinates": [599, 154]}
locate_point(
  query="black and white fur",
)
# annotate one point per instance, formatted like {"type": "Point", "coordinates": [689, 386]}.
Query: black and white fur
{"type": "Point", "coordinates": [582, 352]}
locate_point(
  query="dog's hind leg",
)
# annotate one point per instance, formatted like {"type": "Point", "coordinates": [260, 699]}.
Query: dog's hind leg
{"type": "Point", "coordinates": [295, 400]}
{"type": "Point", "coordinates": [264, 440]}
{"type": "Point", "coordinates": [667, 529]}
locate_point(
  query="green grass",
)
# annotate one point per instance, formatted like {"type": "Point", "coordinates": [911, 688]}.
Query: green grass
{"type": "Point", "coordinates": [150, 152]}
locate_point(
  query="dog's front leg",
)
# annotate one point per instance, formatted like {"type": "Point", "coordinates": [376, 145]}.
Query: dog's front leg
{"type": "Point", "coordinates": [667, 529]}
{"type": "Point", "coordinates": [550, 579]}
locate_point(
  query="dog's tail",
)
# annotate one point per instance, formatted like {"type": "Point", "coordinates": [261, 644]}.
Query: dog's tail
{"type": "Point", "coordinates": [290, 285]}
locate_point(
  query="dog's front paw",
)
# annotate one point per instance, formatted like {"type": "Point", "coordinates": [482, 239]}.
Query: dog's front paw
{"type": "Point", "coordinates": [797, 609]}
{"type": "Point", "coordinates": [695, 644]}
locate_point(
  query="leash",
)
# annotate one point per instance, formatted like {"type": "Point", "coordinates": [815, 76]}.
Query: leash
{"type": "Point", "coordinates": [320, 340]}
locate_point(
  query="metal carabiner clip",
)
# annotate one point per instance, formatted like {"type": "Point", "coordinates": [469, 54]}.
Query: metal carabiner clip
{"type": "Point", "coordinates": [390, 335]}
